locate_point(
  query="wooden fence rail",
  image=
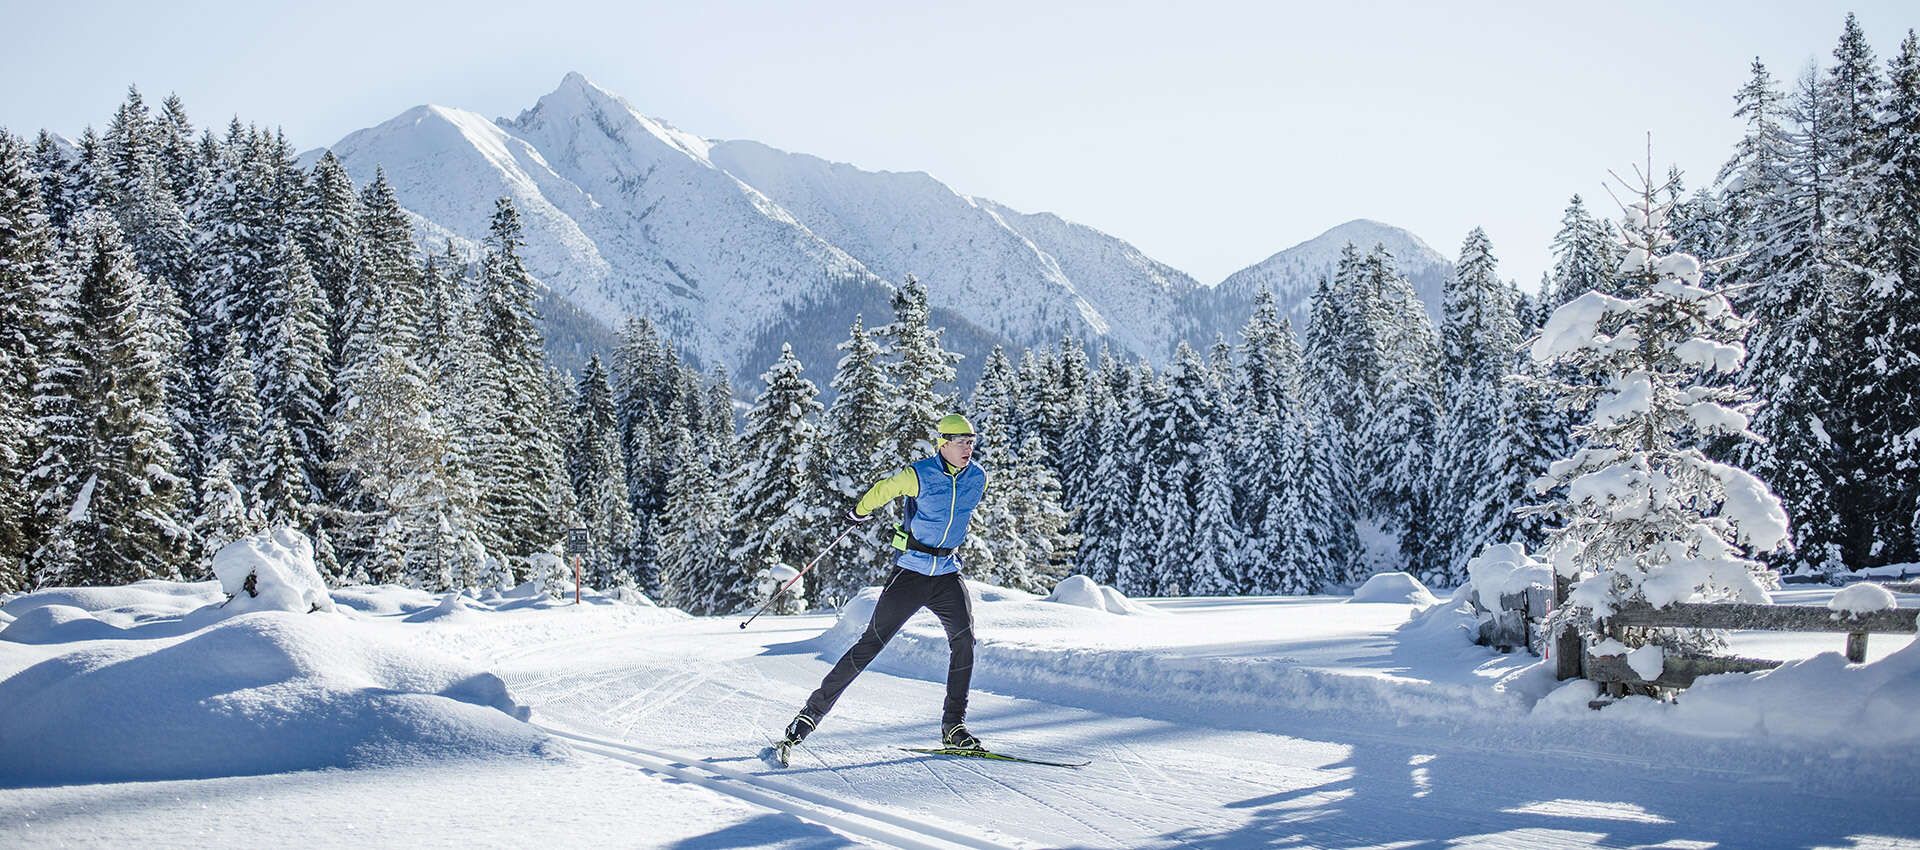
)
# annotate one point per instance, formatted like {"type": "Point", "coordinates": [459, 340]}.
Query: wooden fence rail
{"type": "Point", "coordinates": [1513, 626]}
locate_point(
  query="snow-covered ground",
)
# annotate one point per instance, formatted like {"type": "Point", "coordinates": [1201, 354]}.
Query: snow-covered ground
{"type": "Point", "coordinates": [142, 716]}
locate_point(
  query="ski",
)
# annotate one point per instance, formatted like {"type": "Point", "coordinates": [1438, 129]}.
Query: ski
{"type": "Point", "coordinates": [988, 754]}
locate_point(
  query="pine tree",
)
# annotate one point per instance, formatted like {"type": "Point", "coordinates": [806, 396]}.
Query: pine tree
{"type": "Point", "coordinates": [174, 151]}
{"type": "Point", "coordinates": [1214, 545]}
{"type": "Point", "coordinates": [1779, 188]}
{"type": "Point", "coordinates": [29, 273]}
{"type": "Point", "coordinates": [106, 498]}
{"type": "Point", "coordinates": [1400, 431]}
{"type": "Point", "coordinates": [1646, 515]}
{"type": "Point", "coordinates": [233, 449]}
{"type": "Point", "coordinates": [856, 434]}
{"type": "Point", "coordinates": [1018, 537]}
{"type": "Point", "coordinates": [1476, 470]}
{"type": "Point", "coordinates": [598, 478]}
{"type": "Point", "coordinates": [523, 470]}
{"type": "Point", "coordinates": [1886, 430]}
{"type": "Point", "coordinates": [996, 404]}
{"type": "Point", "coordinates": [1584, 255]}
{"type": "Point", "coordinates": [1852, 95]}
{"type": "Point", "coordinates": [296, 384]}
{"type": "Point", "coordinates": [770, 495]}
{"type": "Point", "coordinates": [921, 370]}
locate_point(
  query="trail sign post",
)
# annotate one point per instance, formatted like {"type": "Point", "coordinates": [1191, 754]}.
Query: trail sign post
{"type": "Point", "coordinates": [576, 546]}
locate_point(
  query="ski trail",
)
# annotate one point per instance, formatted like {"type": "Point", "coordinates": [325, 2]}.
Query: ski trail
{"type": "Point", "coordinates": [983, 774]}
{"type": "Point", "coordinates": [852, 818]}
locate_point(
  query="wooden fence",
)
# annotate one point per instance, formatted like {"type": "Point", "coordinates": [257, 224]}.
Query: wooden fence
{"type": "Point", "coordinates": [1515, 625]}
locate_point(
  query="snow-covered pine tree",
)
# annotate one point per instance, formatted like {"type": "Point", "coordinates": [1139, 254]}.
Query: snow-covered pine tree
{"type": "Point", "coordinates": [1143, 531]}
{"type": "Point", "coordinates": [1334, 401]}
{"type": "Point", "coordinates": [1886, 431]}
{"type": "Point", "coordinates": [775, 513]}
{"type": "Point", "coordinates": [1070, 374]}
{"type": "Point", "coordinates": [996, 405]}
{"type": "Point", "coordinates": [1584, 254]}
{"type": "Point", "coordinates": [29, 274]}
{"type": "Point", "coordinates": [178, 160]}
{"type": "Point", "coordinates": [1851, 99]}
{"type": "Point", "coordinates": [599, 478]}
{"type": "Point", "coordinates": [1214, 556]}
{"type": "Point", "coordinates": [1099, 481]}
{"type": "Point", "coordinates": [1399, 434]}
{"type": "Point", "coordinates": [329, 234]}
{"type": "Point", "coordinates": [695, 572]}
{"type": "Point", "coordinates": [1019, 537]}
{"type": "Point", "coordinates": [228, 497]}
{"type": "Point", "coordinates": [1645, 515]}
{"type": "Point", "coordinates": [522, 470]}
{"type": "Point", "coordinates": [1266, 386]}
{"type": "Point", "coordinates": [296, 384]}
{"type": "Point", "coordinates": [1476, 469]}
{"type": "Point", "coordinates": [1044, 409]}
{"type": "Point", "coordinates": [105, 495]}
{"type": "Point", "coordinates": [636, 403]}
{"type": "Point", "coordinates": [1179, 430]}
{"type": "Point", "coordinates": [855, 433]}
{"type": "Point", "coordinates": [1791, 289]}
{"type": "Point", "coordinates": [922, 373]}
{"type": "Point", "coordinates": [390, 448]}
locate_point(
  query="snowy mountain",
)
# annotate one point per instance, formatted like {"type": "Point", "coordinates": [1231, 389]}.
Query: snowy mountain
{"type": "Point", "coordinates": [1293, 273]}
{"type": "Point", "coordinates": [734, 247]}
{"type": "Point", "coordinates": [624, 215]}
{"type": "Point", "coordinates": [1029, 278]}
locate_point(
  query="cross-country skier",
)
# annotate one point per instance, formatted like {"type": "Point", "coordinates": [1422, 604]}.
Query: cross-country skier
{"type": "Point", "coordinates": [941, 493]}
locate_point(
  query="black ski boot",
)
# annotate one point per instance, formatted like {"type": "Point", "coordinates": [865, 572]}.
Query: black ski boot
{"type": "Point", "coordinates": [797, 731]}
{"type": "Point", "coordinates": [800, 728]}
{"type": "Point", "coordinates": [957, 737]}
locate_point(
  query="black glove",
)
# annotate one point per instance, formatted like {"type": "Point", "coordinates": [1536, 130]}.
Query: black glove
{"type": "Point", "coordinates": [855, 517]}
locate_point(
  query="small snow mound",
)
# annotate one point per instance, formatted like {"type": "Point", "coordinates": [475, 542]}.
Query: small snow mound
{"type": "Point", "coordinates": [630, 595]}
{"type": "Point", "coordinates": [57, 624]}
{"type": "Point", "coordinates": [1402, 588]}
{"type": "Point", "coordinates": [1086, 593]}
{"type": "Point", "coordinates": [271, 571]}
{"type": "Point", "coordinates": [1862, 598]}
{"type": "Point", "coordinates": [454, 607]}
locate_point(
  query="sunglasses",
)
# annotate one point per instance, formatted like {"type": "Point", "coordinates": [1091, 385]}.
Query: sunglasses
{"type": "Point", "coordinates": [961, 439]}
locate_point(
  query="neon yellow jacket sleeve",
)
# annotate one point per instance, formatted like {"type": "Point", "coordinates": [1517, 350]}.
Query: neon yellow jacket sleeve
{"type": "Point", "coordinates": [902, 483]}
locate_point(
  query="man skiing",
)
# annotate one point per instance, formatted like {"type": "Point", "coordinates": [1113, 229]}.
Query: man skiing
{"type": "Point", "coordinates": [941, 493]}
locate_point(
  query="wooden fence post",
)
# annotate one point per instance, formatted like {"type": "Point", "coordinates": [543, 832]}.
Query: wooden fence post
{"type": "Point", "coordinates": [1857, 647]}
{"type": "Point", "coordinates": [1567, 646]}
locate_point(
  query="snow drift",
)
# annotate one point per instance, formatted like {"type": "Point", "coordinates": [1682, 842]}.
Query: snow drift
{"type": "Point", "coordinates": [1087, 593]}
{"type": "Point", "coordinates": [1394, 587]}
{"type": "Point", "coordinates": [260, 693]}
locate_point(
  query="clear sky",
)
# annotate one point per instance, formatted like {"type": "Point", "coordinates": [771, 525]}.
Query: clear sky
{"type": "Point", "coordinates": [1208, 134]}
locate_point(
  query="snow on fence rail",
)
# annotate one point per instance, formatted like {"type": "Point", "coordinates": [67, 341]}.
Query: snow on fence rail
{"type": "Point", "coordinates": [1521, 612]}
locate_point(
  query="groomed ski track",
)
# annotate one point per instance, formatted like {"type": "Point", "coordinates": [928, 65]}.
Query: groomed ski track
{"type": "Point", "coordinates": [698, 700]}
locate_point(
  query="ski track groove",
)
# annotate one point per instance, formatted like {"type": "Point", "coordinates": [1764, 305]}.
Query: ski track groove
{"type": "Point", "coordinates": [855, 818]}
{"type": "Point", "coordinates": [981, 772]}
{"type": "Point", "coordinates": [680, 683]}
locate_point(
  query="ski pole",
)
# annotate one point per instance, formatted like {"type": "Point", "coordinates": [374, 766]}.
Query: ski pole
{"type": "Point", "coordinates": [803, 571]}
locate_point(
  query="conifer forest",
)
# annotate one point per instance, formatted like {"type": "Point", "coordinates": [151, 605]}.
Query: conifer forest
{"type": "Point", "coordinates": [200, 339]}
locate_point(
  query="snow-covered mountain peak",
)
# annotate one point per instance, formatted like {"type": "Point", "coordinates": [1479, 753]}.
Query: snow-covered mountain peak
{"type": "Point", "coordinates": [577, 99]}
{"type": "Point", "coordinates": [1292, 274]}
{"type": "Point", "coordinates": [1410, 253]}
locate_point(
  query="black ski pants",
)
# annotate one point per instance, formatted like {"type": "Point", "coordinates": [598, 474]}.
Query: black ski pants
{"type": "Point", "coordinates": [905, 593]}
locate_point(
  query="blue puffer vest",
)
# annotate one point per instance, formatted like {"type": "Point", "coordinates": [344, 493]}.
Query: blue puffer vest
{"type": "Point", "coordinates": [938, 516]}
